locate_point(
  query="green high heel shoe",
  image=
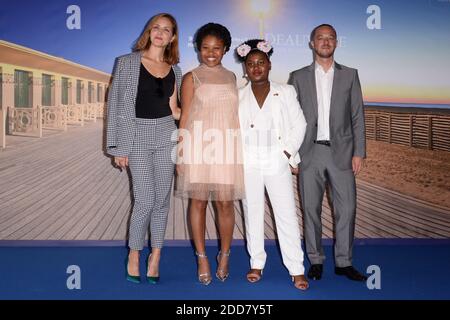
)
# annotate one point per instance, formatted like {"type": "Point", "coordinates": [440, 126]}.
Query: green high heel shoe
{"type": "Point", "coordinates": [134, 279]}
{"type": "Point", "coordinates": [151, 279]}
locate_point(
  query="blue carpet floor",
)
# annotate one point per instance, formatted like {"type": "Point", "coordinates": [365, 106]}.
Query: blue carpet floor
{"type": "Point", "coordinates": [408, 271]}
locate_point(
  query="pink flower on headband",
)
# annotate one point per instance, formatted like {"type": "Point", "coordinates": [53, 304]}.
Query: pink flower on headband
{"type": "Point", "coordinates": [264, 46]}
{"type": "Point", "coordinates": [243, 50]}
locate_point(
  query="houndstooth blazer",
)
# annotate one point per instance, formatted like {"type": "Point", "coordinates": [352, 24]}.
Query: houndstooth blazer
{"type": "Point", "coordinates": [121, 115]}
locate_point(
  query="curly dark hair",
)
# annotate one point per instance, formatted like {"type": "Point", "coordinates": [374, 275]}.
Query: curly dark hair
{"type": "Point", "coordinates": [216, 30]}
{"type": "Point", "coordinates": [252, 43]}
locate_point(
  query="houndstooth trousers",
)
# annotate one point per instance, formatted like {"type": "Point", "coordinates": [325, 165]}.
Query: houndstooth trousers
{"type": "Point", "coordinates": [152, 171]}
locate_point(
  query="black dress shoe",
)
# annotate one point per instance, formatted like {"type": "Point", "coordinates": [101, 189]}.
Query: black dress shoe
{"type": "Point", "coordinates": [350, 273]}
{"type": "Point", "coordinates": [315, 271]}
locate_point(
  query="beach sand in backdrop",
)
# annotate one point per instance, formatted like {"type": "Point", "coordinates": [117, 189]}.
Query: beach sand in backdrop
{"type": "Point", "coordinates": [422, 174]}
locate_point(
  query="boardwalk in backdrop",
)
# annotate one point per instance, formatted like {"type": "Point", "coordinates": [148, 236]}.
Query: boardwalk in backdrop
{"type": "Point", "coordinates": [63, 187]}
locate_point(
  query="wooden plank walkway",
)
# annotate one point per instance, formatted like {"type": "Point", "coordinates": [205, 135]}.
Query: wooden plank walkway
{"type": "Point", "coordinates": [63, 187]}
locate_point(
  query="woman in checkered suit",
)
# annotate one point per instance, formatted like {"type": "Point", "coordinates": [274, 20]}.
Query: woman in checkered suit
{"type": "Point", "coordinates": [142, 108]}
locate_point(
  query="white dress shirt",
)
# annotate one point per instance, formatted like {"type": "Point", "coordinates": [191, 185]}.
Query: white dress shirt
{"type": "Point", "coordinates": [263, 134]}
{"type": "Point", "coordinates": [324, 86]}
{"type": "Point", "coordinates": [278, 126]}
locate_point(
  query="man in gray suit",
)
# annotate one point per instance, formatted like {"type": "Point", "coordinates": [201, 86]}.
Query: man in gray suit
{"type": "Point", "coordinates": [332, 151]}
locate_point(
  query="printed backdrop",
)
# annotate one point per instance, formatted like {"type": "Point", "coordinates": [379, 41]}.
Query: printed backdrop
{"type": "Point", "coordinates": [400, 47]}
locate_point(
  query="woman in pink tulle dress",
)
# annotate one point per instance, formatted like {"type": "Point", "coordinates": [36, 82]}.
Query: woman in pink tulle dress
{"type": "Point", "coordinates": [209, 164]}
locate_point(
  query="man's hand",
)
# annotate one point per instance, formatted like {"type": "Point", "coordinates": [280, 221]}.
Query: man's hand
{"type": "Point", "coordinates": [121, 162]}
{"type": "Point", "coordinates": [357, 164]}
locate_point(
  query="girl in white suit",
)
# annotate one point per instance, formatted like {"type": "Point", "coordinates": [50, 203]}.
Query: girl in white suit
{"type": "Point", "coordinates": [273, 127]}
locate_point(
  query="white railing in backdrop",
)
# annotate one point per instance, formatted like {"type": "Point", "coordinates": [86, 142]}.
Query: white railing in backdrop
{"type": "Point", "coordinates": [75, 115]}
{"type": "Point", "coordinates": [90, 112]}
{"type": "Point", "coordinates": [31, 121]}
{"type": "Point", "coordinates": [25, 121]}
{"type": "Point", "coordinates": [3, 128]}
{"type": "Point", "coordinates": [54, 118]}
{"type": "Point", "coordinates": [101, 110]}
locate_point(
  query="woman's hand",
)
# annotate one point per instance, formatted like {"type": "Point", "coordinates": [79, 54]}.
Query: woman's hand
{"type": "Point", "coordinates": [173, 104]}
{"type": "Point", "coordinates": [294, 171]}
{"type": "Point", "coordinates": [187, 95]}
{"type": "Point", "coordinates": [121, 162]}
{"type": "Point", "coordinates": [179, 169]}
{"type": "Point", "coordinates": [176, 113]}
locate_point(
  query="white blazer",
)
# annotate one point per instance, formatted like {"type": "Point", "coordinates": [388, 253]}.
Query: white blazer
{"type": "Point", "coordinates": [288, 118]}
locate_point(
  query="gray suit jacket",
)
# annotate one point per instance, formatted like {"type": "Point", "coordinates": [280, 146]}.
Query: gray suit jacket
{"type": "Point", "coordinates": [121, 112]}
{"type": "Point", "coordinates": [347, 128]}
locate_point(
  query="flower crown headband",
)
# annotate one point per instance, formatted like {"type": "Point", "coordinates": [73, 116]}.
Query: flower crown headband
{"type": "Point", "coordinates": [244, 49]}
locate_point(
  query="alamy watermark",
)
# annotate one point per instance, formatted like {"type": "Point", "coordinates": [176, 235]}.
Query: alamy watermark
{"type": "Point", "coordinates": [73, 21]}
{"type": "Point", "coordinates": [74, 280]}
{"type": "Point", "coordinates": [374, 280]}
{"type": "Point", "coordinates": [374, 20]}
{"type": "Point", "coordinates": [210, 146]}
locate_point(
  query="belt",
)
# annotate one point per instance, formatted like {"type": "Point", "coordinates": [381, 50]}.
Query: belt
{"type": "Point", "coordinates": [323, 142]}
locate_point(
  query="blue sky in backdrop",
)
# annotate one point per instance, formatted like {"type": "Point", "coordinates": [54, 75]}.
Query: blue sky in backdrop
{"type": "Point", "coordinates": [406, 61]}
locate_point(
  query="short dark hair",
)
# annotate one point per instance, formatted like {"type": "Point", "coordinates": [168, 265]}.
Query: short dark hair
{"type": "Point", "coordinates": [216, 30]}
{"type": "Point", "coordinates": [253, 44]}
{"type": "Point", "coordinates": [313, 33]}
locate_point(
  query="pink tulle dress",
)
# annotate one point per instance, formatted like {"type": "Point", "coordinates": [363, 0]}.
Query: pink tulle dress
{"type": "Point", "coordinates": [210, 154]}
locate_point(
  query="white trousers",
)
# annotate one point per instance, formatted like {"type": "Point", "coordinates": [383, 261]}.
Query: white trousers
{"type": "Point", "coordinates": [277, 179]}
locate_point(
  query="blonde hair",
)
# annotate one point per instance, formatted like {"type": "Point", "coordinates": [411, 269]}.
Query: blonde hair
{"type": "Point", "coordinates": [171, 53]}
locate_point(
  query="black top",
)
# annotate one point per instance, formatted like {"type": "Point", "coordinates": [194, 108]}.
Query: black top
{"type": "Point", "coordinates": [152, 100]}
